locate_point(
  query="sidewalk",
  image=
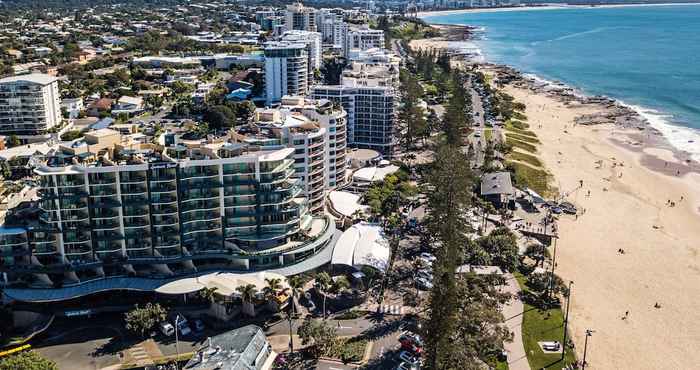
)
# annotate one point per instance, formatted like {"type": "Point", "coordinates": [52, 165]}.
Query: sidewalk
{"type": "Point", "coordinates": [513, 313]}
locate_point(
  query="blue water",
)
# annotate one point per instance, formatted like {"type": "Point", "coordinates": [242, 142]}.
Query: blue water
{"type": "Point", "coordinates": [647, 56]}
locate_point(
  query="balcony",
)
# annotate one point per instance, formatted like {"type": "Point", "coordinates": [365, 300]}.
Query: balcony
{"type": "Point", "coordinates": [201, 184]}
{"type": "Point", "coordinates": [200, 227]}
{"type": "Point", "coordinates": [165, 221]}
{"type": "Point", "coordinates": [77, 238]}
{"type": "Point", "coordinates": [105, 213]}
{"type": "Point", "coordinates": [106, 203]}
{"type": "Point", "coordinates": [190, 173]}
{"type": "Point", "coordinates": [134, 200]}
{"type": "Point", "coordinates": [135, 212]}
{"type": "Point", "coordinates": [133, 222]}
{"type": "Point", "coordinates": [108, 225]}
{"type": "Point", "coordinates": [199, 206]}
{"type": "Point", "coordinates": [165, 187]}
{"type": "Point", "coordinates": [200, 216]}
{"type": "Point", "coordinates": [164, 210]}
{"type": "Point", "coordinates": [108, 235]}
{"type": "Point", "coordinates": [163, 198]}
{"type": "Point", "coordinates": [131, 177]}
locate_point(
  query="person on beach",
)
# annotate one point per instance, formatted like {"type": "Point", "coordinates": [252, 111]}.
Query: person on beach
{"type": "Point", "coordinates": [657, 305]}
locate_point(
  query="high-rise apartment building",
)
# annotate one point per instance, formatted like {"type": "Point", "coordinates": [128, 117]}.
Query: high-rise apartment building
{"type": "Point", "coordinates": [312, 40]}
{"type": "Point", "coordinates": [367, 92]}
{"type": "Point", "coordinates": [300, 17]}
{"type": "Point", "coordinates": [160, 214]}
{"type": "Point", "coordinates": [316, 131]}
{"type": "Point", "coordinates": [363, 39]}
{"type": "Point", "coordinates": [29, 105]}
{"type": "Point", "coordinates": [286, 70]}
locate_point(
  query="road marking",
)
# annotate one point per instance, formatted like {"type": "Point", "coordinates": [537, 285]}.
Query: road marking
{"type": "Point", "coordinates": [334, 368]}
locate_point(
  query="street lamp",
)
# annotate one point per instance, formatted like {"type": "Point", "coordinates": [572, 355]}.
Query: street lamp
{"type": "Point", "coordinates": [589, 333]}
{"type": "Point", "coordinates": [177, 348]}
{"type": "Point", "coordinates": [566, 321]}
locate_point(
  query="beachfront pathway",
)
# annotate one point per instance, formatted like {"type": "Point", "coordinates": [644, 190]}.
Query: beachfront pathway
{"type": "Point", "coordinates": [513, 312]}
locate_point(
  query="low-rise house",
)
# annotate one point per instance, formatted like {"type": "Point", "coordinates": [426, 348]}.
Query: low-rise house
{"type": "Point", "coordinates": [129, 105]}
{"type": "Point", "coordinates": [497, 188]}
{"type": "Point", "coordinates": [72, 106]}
{"type": "Point", "coordinates": [99, 106]}
{"type": "Point", "coordinates": [244, 348]}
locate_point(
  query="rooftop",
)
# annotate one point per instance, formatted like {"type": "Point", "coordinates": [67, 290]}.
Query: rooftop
{"type": "Point", "coordinates": [496, 183]}
{"type": "Point", "coordinates": [237, 349]}
{"type": "Point", "coordinates": [36, 78]}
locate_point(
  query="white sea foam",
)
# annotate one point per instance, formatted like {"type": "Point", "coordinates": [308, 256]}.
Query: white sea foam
{"type": "Point", "coordinates": [682, 138]}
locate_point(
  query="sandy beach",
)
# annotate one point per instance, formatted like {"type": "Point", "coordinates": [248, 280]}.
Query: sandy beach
{"type": "Point", "coordinates": [627, 208]}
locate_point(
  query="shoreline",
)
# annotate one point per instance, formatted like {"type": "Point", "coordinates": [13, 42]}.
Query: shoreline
{"type": "Point", "coordinates": [433, 13]}
{"type": "Point", "coordinates": [632, 170]}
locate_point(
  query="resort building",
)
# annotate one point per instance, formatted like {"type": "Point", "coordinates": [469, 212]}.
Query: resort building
{"type": "Point", "coordinates": [316, 132]}
{"type": "Point", "coordinates": [160, 212]}
{"type": "Point", "coordinates": [29, 105]}
{"type": "Point", "coordinates": [286, 70]}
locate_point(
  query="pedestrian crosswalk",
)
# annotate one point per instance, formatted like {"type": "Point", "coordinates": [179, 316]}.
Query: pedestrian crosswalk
{"type": "Point", "coordinates": [391, 309]}
{"type": "Point", "coordinates": [138, 353]}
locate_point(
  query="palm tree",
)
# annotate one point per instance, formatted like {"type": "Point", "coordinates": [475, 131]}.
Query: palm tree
{"type": "Point", "coordinates": [296, 285]}
{"type": "Point", "coordinates": [274, 286]}
{"type": "Point", "coordinates": [341, 284]}
{"type": "Point", "coordinates": [248, 293]}
{"type": "Point", "coordinates": [323, 284]}
{"type": "Point", "coordinates": [208, 294]}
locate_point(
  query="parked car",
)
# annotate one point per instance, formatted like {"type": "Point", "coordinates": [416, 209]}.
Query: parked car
{"type": "Point", "coordinates": [183, 327]}
{"type": "Point", "coordinates": [551, 346]}
{"type": "Point", "coordinates": [167, 329]}
{"type": "Point", "coordinates": [406, 366]}
{"type": "Point", "coordinates": [425, 273]}
{"type": "Point", "coordinates": [424, 283]}
{"type": "Point", "coordinates": [198, 325]}
{"type": "Point", "coordinates": [408, 337]}
{"type": "Point", "coordinates": [428, 257]}
{"type": "Point", "coordinates": [409, 358]}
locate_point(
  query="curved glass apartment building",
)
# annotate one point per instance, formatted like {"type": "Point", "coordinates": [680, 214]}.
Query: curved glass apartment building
{"type": "Point", "coordinates": [163, 215]}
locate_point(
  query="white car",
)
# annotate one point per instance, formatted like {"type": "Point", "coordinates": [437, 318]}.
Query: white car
{"type": "Point", "coordinates": [551, 346]}
{"type": "Point", "coordinates": [167, 329]}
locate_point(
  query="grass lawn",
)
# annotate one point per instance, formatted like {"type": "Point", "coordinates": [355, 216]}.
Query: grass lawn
{"type": "Point", "coordinates": [521, 144]}
{"type": "Point", "coordinates": [527, 158]}
{"type": "Point", "coordinates": [521, 132]}
{"type": "Point", "coordinates": [519, 116]}
{"type": "Point", "coordinates": [515, 124]}
{"type": "Point", "coordinates": [541, 326]}
{"type": "Point", "coordinates": [488, 134]}
{"type": "Point", "coordinates": [348, 349]}
{"type": "Point", "coordinates": [529, 139]}
{"type": "Point", "coordinates": [534, 178]}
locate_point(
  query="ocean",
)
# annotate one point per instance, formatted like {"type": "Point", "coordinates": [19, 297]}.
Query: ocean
{"type": "Point", "coordinates": [647, 57]}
